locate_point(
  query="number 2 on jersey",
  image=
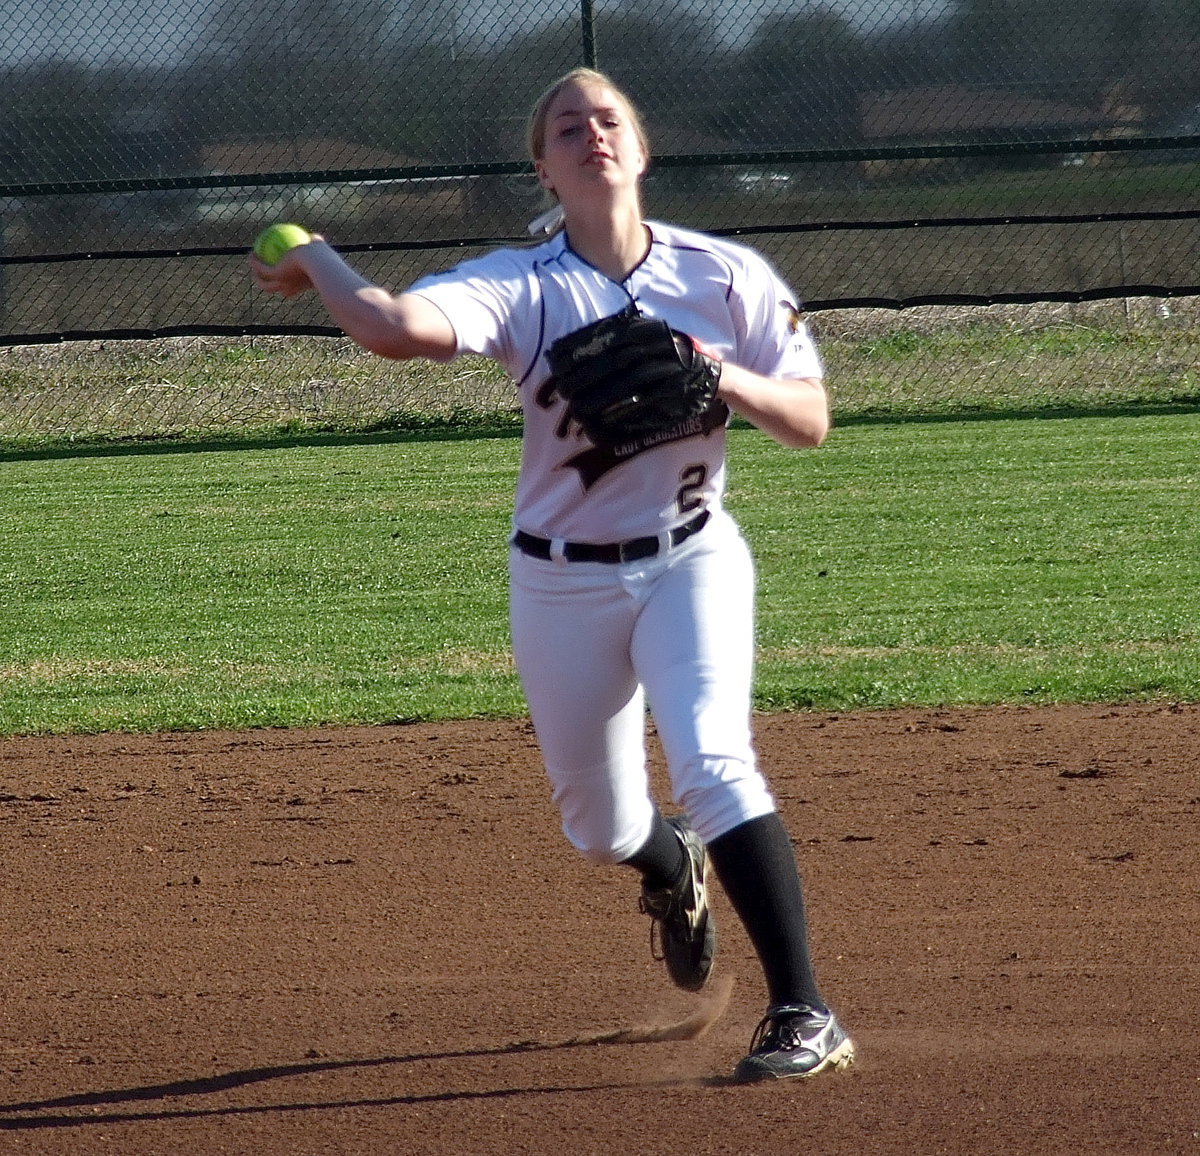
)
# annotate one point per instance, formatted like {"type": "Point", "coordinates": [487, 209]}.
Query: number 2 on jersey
{"type": "Point", "coordinates": [693, 478]}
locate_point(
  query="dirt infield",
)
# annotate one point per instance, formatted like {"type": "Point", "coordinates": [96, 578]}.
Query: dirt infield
{"type": "Point", "coordinates": [375, 940]}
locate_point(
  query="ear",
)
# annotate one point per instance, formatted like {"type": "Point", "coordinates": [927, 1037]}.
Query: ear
{"type": "Point", "coordinates": [542, 176]}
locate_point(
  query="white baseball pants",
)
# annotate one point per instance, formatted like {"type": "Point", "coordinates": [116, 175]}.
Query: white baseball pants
{"type": "Point", "coordinates": [595, 642]}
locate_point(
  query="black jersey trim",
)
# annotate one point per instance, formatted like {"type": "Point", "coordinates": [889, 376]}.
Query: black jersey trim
{"type": "Point", "coordinates": [541, 341]}
{"type": "Point", "coordinates": [567, 248]}
{"type": "Point", "coordinates": [700, 249]}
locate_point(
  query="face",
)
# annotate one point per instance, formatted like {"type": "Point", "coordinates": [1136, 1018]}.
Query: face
{"type": "Point", "coordinates": [591, 143]}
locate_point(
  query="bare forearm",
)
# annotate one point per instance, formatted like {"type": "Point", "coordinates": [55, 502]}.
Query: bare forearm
{"type": "Point", "coordinates": [392, 326]}
{"type": "Point", "coordinates": [793, 411]}
{"type": "Point", "coordinates": [389, 325]}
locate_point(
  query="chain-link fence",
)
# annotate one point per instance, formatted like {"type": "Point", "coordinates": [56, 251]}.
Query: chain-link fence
{"type": "Point", "coordinates": [890, 156]}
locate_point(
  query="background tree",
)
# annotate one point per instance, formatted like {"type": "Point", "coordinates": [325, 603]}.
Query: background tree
{"type": "Point", "coordinates": [799, 80]}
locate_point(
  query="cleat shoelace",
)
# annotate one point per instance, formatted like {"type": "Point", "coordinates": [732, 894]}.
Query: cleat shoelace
{"type": "Point", "coordinates": [659, 905]}
{"type": "Point", "coordinates": [776, 1032]}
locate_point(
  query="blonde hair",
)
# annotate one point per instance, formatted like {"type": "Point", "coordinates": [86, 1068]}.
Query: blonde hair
{"type": "Point", "coordinates": [535, 134]}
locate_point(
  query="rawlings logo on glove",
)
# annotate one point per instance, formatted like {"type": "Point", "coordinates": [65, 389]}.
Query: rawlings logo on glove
{"type": "Point", "coordinates": [626, 378]}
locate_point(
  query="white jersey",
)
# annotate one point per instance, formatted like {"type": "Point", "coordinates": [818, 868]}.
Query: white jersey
{"type": "Point", "coordinates": [511, 305]}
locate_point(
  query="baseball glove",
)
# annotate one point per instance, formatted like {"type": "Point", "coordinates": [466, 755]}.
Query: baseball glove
{"type": "Point", "coordinates": [626, 378]}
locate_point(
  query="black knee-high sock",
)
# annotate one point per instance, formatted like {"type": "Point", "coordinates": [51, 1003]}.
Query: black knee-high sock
{"type": "Point", "coordinates": [757, 869]}
{"type": "Point", "coordinates": [660, 858]}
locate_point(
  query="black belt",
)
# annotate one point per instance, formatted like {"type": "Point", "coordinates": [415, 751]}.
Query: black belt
{"type": "Point", "coordinates": [630, 551]}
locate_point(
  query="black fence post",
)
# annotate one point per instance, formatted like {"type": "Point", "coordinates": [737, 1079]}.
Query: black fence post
{"type": "Point", "coordinates": [588, 26]}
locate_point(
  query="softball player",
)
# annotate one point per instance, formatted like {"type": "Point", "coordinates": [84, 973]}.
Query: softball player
{"type": "Point", "coordinates": [631, 586]}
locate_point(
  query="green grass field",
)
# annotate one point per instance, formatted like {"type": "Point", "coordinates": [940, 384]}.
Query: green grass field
{"type": "Point", "coordinates": [361, 578]}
